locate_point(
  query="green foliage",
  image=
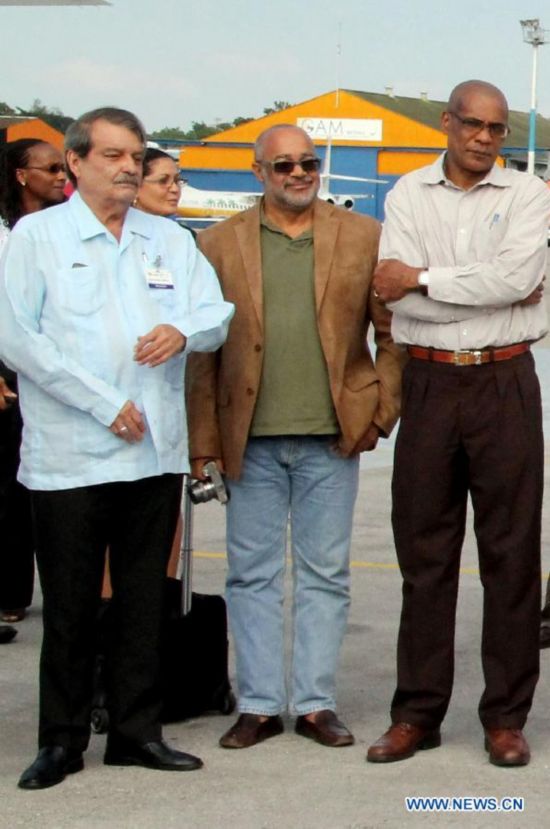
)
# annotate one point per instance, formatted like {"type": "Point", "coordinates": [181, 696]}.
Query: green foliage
{"type": "Point", "coordinates": [51, 115]}
{"type": "Point", "coordinates": [169, 133]}
{"type": "Point", "coordinates": [277, 107]}
{"type": "Point", "coordinates": [199, 129]}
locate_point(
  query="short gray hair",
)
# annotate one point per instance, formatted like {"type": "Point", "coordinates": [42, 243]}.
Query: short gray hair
{"type": "Point", "coordinates": [78, 137]}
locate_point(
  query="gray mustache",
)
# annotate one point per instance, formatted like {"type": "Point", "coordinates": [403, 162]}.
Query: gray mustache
{"type": "Point", "coordinates": [126, 178]}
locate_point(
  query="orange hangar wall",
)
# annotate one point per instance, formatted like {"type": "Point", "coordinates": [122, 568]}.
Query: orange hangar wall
{"type": "Point", "coordinates": [13, 128]}
{"type": "Point", "coordinates": [356, 128]}
{"type": "Point", "coordinates": [372, 136]}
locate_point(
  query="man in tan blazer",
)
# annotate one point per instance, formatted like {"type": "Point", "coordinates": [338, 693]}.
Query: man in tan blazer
{"type": "Point", "coordinates": [285, 408]}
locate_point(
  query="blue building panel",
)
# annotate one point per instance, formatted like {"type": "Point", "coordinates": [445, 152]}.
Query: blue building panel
{"type": "Point", "coordinates": [361, 162]}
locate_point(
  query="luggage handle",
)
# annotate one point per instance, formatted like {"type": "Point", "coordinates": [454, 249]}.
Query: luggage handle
{"type": "Point", "coordinates": [186, 550]}
{"type": "Point", "coordinates": [215, 488]}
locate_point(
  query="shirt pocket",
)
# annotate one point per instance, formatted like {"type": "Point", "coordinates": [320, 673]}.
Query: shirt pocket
{"type": "Point", "coordinates": [81, 291]}
{"type": "Point", "coordinates": [163, 304]}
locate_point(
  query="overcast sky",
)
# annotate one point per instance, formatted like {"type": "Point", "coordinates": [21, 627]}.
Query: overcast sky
{"type": "Point", "coordinates": [177, 61]}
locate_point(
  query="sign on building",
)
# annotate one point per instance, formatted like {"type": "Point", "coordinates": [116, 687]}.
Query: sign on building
{"type": "Point", "coordinates": [345, 129]}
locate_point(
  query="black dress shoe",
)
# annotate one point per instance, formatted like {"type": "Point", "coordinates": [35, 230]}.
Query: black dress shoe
{"type": "Point", "coordinates": [50, 767]}
{"type": "Point", "coordinates": [7, 633]}
{"type": "Point", "coordinates": [250, 729]}
{"type": "Point", "coordinates": [153, 755]}
{"type": "Point", "coordinates": [325, 728]}
{"type": "Point", "coordinates": [544, 634]}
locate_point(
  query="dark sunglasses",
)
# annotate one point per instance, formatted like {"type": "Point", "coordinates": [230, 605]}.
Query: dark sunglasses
{"type": "Point", "coordinates": [54, 168]}
{"type": "Point", "coordinates": [308, 165]}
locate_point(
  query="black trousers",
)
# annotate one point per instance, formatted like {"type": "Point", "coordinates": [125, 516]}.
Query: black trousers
{"type": "Point", "coordinates": [16, 541]}
{"type": "Point", "coordinates": [477, 430]}
{"type": "Point", "coordinates": [136, 520]}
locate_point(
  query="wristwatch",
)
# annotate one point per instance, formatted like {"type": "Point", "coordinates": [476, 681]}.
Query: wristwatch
{"type": "Point", "coordinates": [423, 282]}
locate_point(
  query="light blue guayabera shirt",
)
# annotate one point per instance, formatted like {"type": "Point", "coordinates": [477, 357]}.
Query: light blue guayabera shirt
{"type": "Point", "coordinates": [73, 301]}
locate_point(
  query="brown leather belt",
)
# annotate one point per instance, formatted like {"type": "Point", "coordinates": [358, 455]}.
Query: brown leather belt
{"type": "Point", "coordinates": [468, 357]}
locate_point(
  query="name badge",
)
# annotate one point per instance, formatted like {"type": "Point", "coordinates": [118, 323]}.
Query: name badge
{"type": "Point", "coordinates": [157, 276]}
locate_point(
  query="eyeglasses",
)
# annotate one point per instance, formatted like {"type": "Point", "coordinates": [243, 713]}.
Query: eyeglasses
{"type": "Point", "coordinates": [283, 167]}
{"type": "Point", "coordinates": [54, 169]}
{"type": "Point", "coordinates": [474, 125]}
{"type": "Point", "coordinates": [165, 181]}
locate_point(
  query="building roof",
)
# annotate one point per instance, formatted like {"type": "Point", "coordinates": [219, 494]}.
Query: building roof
{"type": "Point", "coordinates": [429, 113]}
{"type": "Point", "coordinates": [10, 120]}
{"type": "Point", "coordinates": [14, 127]}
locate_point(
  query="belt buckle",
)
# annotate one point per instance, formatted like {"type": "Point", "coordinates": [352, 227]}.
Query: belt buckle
{"type": "Point", "coordinates": [464, 357]}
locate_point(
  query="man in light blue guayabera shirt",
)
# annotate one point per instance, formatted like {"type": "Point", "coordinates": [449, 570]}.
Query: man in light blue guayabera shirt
{"type": "Point", "coordinates": [99, 306]}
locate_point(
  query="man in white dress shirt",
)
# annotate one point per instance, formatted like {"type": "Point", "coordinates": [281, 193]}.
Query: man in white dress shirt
{"type": "Point", "coordinates": [463, 256]}
{"type": "Point", "coordinates": [99, 306]}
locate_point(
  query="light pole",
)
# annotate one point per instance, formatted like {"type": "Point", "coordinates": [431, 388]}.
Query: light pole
{"type": "Point", "coordinates": [534, 34]}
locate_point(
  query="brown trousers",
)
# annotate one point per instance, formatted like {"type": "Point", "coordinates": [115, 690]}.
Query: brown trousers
{"type": "Point", "coordinates": [476, 430]}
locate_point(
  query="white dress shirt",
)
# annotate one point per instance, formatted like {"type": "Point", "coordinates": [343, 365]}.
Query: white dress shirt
{"type": "Point", "coordinates": [485, 250]}
{"type": "Point", "coordinates": [4, 235]}
{"type": "Point", "coordinates": [73, 301]}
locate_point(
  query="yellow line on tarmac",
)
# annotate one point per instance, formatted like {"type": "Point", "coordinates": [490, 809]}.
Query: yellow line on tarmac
{"type": "Point", "coordinates": [370, 565]}
{"type": "Point", "coordinates": [201, 554]}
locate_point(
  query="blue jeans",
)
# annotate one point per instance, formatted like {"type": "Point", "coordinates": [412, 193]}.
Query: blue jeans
{"type": "Point", "coordinates": [304, 479]}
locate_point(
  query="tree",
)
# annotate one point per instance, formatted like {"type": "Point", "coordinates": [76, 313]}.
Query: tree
{"type": "Point", "coordinates": [169, 133]}
{"type": "Point", "coordinates": [277, 107]}
{"type": "Point", "coordinates": [51, 115]}
{"type": "Point", "coordinates": [5, 109]}
{"type": "Point", "coordinates": [200, 129]}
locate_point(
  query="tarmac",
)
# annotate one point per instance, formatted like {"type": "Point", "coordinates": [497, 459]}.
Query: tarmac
{"type": "Point", "coordinates": [289, 781]}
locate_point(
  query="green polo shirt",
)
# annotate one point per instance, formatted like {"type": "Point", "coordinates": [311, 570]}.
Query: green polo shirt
{"type": "Point", "coordinates": [294, 396]}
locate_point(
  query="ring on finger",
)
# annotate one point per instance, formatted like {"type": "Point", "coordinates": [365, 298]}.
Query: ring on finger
{"type": "Point", "coordinates": [122, 430]}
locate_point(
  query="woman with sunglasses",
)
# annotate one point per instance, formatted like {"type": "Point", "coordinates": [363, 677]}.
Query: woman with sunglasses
{"type": "Point", "coordinates": [32, 177]}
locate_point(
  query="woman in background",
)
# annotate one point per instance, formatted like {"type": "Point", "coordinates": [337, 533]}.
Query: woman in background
{"type": "Point", "coordinates": [160, 188]}
{"type": "Point", "coordinates": [32, 177]}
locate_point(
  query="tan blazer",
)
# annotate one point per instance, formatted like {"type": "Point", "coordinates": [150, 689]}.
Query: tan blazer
{"type": "Point", "coordinates": [222, 388]}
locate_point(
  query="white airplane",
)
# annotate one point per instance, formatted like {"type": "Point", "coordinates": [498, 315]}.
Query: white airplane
{"type": "Point", "coordinates": [340, 200]}
{"type": "Point", "coordinates": [214, 205]}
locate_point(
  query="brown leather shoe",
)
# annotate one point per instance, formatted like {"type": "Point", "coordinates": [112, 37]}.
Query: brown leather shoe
{"type": "Point", "coordinates": [324, 728]}
{"type": "Point", "coordinates": [251, 729]}
{"type": "Point", "coordinates": [401, 741]}
{"type": "Point", "coordinates": [507, 747]}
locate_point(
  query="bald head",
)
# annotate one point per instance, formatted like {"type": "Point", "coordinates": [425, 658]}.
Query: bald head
{"type": "Point", "coordinates": [462, 95]}
{"type": "Point", "coordinates": [291, 190]}
{"type": "Point", "coordinates": [476, 124]}
{"type": "Point", "coordinates": [272, 134]}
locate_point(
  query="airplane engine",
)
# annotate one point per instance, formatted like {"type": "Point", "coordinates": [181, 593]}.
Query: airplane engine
{"type": "Point", "coordinates": [342, 201]}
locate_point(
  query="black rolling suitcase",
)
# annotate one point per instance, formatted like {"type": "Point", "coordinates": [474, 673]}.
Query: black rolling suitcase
{"type": "Point", "coordinates": [194, 673]}
{"type": "Point", "coordinates": [194, 655]}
